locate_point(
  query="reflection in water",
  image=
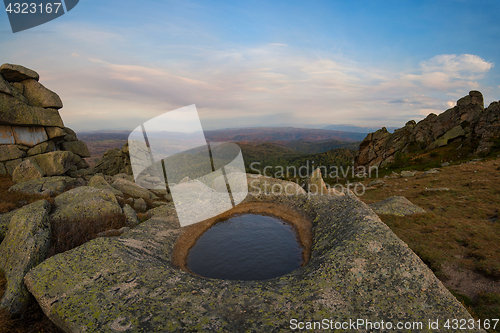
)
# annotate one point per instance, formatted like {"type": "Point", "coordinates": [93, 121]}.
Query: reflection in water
{"type": "Point", "coordinates": [246, 247]}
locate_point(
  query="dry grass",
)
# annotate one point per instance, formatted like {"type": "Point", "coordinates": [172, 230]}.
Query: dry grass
{"type": "Point", "coordinates": [67, 235]}
{"type": "Point", "coordinates": [13, 200]}
{"type": "Point", "coordinates": [460, 229]}
{"type": "Point", "coordinates": [33, 321]}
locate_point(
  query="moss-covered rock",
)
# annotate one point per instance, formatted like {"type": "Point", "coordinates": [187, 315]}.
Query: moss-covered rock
{"type": "Point", "coordinates": [132, 189]}
{"type": "Point", "coordinates": [4, 223]}
{"type": "Point", "coordinates": [27, 170]}
{"type": "Point", "coordinates": [24, 247]}
{"type": "Point", "coordinates": [55, 163]}
{"type": "Point", "coordinates": [46, 185]}
{"type": "Point", "coordinates": [44, 147]}
{"type": "Point", "coordinates": [38, 95]}
{"type": "Point", "coordinates": [358, 270]}
{"type": "Point", "coordinates": [16, 112]}
{"type": "Point", "coordinates": [85, 202]}
{"type": "Point", "coordinates": [10, 152]}
{"type": "Point", "coordinates": [100, 183]}
{"type": "Point", "coordinates": [131, 215]}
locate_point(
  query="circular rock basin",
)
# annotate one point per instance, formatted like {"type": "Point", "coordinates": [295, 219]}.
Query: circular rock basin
{"type": "Point", "coordinates": [253, 241]}
{"type": "Point", "coordinates": [246, 247]}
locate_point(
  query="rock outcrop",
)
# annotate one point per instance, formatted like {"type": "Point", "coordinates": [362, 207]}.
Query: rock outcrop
{"type": "Point", "coordinates": [115, 161]}
{"type": "Point", "coordinates": [358, 269]}
{"type": "Point", "coordinates": [33, 138]}
{"type": "Point", "coordinates": [468, 122]}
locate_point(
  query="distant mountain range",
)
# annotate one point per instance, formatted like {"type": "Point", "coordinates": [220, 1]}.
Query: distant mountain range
{"type": "Point", "coordinates": [252, 134]}
{"type": "Point", "coordinates": [266, 134]}
{"type": "Point", "coordinates": [357, 129]}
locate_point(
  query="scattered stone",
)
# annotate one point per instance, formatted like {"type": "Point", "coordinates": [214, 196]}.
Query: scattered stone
{"type": "Point", "coordinates": [25, 246]}
{"type": "Point", "coordinates": [131, 216]}
{"type": "Point", "coordinates": [445, 164]}
{"type": "Point", "coordinates": [494, 218]}
{"type": "Point", "coordinates": [376, 182]}
{"type": "Point", "coordinates": [132, 189]}
{"type": "Point", "coordinates": [99, 182]}
{"type": "Point", "coordinates": [397, 205]}
{"type": "Point", "coordinates": [407, 174]}
{"type": "Point", "coordinates": [46, 185]}
{"type": "Point", "coordinates": [140, 205]}
{"type": "Point", "coordinates": [431, 171]}
{"type": "Point", "coordinates": [124, 176]}
{"type": "Point", "coordinates": [437, 189]}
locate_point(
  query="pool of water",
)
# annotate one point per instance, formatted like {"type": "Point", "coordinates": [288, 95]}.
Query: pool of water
{"type": "Point", "coordinates": [246, 247]}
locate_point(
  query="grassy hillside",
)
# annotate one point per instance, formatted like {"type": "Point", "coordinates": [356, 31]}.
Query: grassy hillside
{"type": "Point", "coordinates": [277, 158]}
{"type": "Point", "coordinates": [459, 236]}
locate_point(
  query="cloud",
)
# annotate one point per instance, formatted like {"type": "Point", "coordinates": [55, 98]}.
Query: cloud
{"type": "Point", "coordinates": [264, 85]}
{"type": "Point", "coordinates": [466, 66]}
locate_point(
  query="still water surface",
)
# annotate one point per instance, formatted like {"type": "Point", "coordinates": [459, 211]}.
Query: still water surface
{"type": "Point", "coordinates": [246, 247]}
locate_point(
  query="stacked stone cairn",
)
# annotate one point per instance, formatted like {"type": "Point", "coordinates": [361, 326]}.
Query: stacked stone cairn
{"type": "Point", "coordinates": [33, 140]}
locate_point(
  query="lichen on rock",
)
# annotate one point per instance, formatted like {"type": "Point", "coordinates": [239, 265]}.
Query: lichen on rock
{"type": "Point", "coordinates": [358, 269]}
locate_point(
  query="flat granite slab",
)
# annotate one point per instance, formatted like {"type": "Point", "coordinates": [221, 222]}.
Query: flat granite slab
{"type": "Point", "coordinates": [359, 271]}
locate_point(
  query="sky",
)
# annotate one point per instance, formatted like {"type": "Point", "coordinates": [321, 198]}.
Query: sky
{"type": "Point", "coordinates": [117, 64]}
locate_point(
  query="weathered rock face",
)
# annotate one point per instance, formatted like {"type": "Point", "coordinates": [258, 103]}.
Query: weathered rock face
{"type": "Point", "coordinates": [358, 269]}
{"type": "Point", "coordinates": [115, 161]}
{"type": "Point", "coordinates": [132, 189]}
{"type": "Point", "coordinates": [468, 122]}
{"type": "Point", "coordinates": [24, 247]}
{"type": "Point", "coordinates": [85, 202]}
{"type": "Point", "coordinates": [30, 125]}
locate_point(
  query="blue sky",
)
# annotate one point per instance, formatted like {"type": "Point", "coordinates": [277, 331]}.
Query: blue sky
{"type": "Point", "coordinates": [116, 64]}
